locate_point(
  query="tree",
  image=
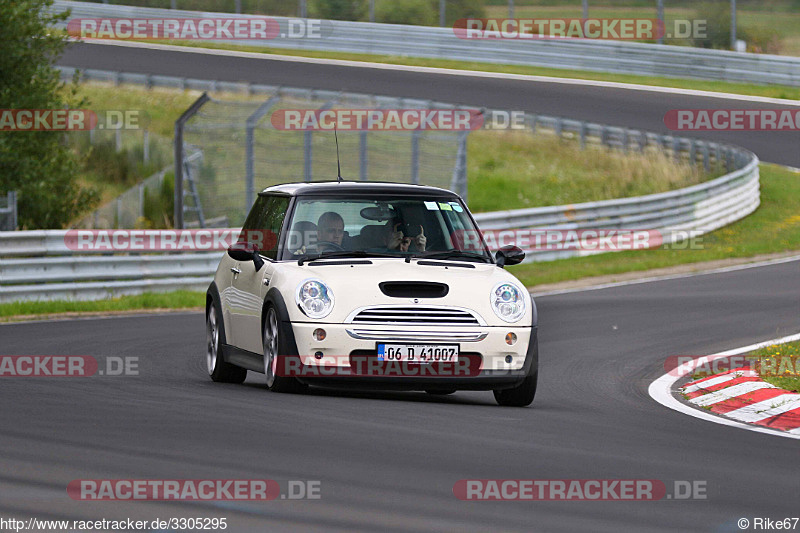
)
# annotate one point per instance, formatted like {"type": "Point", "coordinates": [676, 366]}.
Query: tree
{"type": "Point", "coordinates": [37, 164]}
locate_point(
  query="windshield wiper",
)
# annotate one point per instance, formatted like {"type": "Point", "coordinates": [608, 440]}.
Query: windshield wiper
{"type": "Point", "coordinates": [343, 253]}
{"type": "Point", "coordinates": [450, 254]}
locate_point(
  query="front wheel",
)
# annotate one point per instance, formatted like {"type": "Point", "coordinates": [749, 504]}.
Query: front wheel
{"type": "Point", "coordinates": [273, 344]}
{"type": "Point", "coordinates": [520, 396]}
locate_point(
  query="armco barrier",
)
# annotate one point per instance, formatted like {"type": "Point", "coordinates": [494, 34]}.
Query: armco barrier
{"type": "Point", "coordinates": [37, 265]}
{"type": "Point", "coordinates": [442, 43]}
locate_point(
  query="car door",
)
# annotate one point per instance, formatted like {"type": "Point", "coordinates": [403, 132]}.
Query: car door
{"type": "Point", "coordinates": [262, 229]}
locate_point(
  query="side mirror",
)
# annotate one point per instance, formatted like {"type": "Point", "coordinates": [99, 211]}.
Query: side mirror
{"type": "Point", "coordinates": [509, 255]}
{"type": "Point", "coordinates": [245, 251]}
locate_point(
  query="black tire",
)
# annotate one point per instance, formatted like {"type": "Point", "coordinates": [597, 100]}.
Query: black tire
{"type": "Point", "coordinates": [274, 341]}
{"type": "Point", "coordinates": [521, 395]}
{"type": "Point", "coordinates": [219, 370]}
{"type": "Point", "coordinates": [443, 392]}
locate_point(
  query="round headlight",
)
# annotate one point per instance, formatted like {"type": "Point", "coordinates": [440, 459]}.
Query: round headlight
{"type": "Point", "coordinates": [508, 302]}
{"type": "Point", "coordinates": [314, 298]}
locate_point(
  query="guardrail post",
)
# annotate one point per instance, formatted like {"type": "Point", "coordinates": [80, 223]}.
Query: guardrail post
{"type": "Point", "coordinates": [603, 135]}
{"type": "Point", "coordinates": [625, 140]}
{"type": "Point", "coordinates": [178, 153]}
{"type": "Point", "coordinates": [693, 151]}
{"type": "Point", "coordinates": [706, 158]}
{"type": "Point", "coordinates": [559, 127]}
{"type": "Point", "coordinates": [642, 141]}
{"type": "Point", "coordinates": [118, 139]}
{"type": "Point", "coordinates": [676, 148]}
{"type": "Point", "coordinates": [118, 222]}
{"type": "Point", "coordinates": [146, 146]}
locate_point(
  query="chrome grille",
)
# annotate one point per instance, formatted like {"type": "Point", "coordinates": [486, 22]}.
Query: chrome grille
{"type": "Point", "coordinates": [420, 315]}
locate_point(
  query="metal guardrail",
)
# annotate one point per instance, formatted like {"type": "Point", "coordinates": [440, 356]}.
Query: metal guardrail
{"type": "Point", "coordinates": [693, 210]}
{"type": "Point", "coordinates": [442, 43]}
{"type": "Point", "coordinates": [54, 273]}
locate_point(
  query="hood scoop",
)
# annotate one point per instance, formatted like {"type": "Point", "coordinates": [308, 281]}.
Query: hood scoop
{"type": "Point", "coordinates": [414, 289]}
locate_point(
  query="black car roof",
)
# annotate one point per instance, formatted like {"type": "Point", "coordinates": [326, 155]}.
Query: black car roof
{"type": "Point", "coordinates": [344, 188]}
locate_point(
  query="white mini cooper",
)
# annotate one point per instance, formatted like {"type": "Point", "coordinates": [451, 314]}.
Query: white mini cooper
{"type": "Point", "coordinates": [371, 285]}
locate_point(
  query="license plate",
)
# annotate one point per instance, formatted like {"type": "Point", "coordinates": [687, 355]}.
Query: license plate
{"type": "Point", "coordinates": [418, 353]}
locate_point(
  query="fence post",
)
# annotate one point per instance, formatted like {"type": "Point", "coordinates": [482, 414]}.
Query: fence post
{"type": "Point", "coordinates": [141, 200]}
{"type": "Point", "coordinates": [458, 184]}
{"type": "Point", "coordinates": [146, 146]}
{"type": "Point", "coordinates": [583, 135]}
{"type": "Point", "coordinates": [179, 124]}
{"type": "Point", "coordinates": [12, 204]}
{"type": "Point", "coordinates": [362, 156]}
{"type": "Point", "coordinates": [415, 156]}
{"type": "Point", "coordinates": [118, 139]}
{"type": "Point", "coordinates": [250, 125]}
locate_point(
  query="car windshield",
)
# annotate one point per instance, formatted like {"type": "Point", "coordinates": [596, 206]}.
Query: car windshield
{"type": "Point", "coordinates": [413, 226]}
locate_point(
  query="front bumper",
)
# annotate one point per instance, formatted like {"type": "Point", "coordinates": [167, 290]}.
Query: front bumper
{"type": "Point", "coordinates": [344, 354]}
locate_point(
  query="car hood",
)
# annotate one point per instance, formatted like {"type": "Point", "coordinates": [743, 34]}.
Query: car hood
{"type": "Point", "coordinates": [356, 283]}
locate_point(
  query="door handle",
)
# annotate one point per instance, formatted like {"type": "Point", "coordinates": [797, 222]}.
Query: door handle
{"type": "Point", "coordinates": [236, 270]}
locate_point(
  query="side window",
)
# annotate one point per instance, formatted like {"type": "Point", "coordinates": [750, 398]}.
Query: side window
{"type": "Point", "coordinates": [263, 225]}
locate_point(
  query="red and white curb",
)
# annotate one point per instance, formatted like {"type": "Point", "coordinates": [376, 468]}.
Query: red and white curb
{"type": "Point", "coordinates": [743, 396]}
{"type": "Point", "coordinates": [740, 397]}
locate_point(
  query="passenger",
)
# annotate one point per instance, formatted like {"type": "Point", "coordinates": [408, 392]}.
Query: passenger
{"type": "Point", "coordinates": [396, 240]}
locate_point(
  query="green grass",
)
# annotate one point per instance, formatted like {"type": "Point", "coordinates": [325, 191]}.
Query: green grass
{"type": "Point", "coordinates": [147, 301]}
{"type": "Point", "coordinates": [773, 91]}
{"type": "Point", "coordinates": [782, 356]}
{"type": "Point", "coordinates": [773, 227]}
{"type": "Point", "coordinates": [511, 170]}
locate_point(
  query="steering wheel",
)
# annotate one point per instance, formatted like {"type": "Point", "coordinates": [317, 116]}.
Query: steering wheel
{"type": "Point", "coordinates": [325, 246]}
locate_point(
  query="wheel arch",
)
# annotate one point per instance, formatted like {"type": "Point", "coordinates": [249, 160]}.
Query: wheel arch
{"type": "Point", "coordinates": [275, 299]}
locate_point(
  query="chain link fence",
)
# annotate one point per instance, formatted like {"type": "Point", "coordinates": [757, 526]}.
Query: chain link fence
{"type": "Point", "coordinates": [232, 150]}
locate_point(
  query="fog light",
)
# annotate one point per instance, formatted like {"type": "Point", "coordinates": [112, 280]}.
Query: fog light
{"type": "Point", "coordinates": [319, 334]}
{"type": "Point", "coordinates": [511, 338]}
{"type": "Point", "coordinates": [318, 355]}
{"type": "Point", "coordinates": [509, 359]}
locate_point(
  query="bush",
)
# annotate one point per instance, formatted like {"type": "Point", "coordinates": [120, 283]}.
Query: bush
{"type": "Point", "coordinates": [718, 25]}
{"type": "Point", "coordinates": [339, 9]}
{"type": "Point", "coordinates": [416, 12]}
{"type": "Point", "coordinates": [460, 9]}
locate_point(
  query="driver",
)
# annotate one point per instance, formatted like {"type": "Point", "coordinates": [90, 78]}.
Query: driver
{"type": "Point", "coordinates": [330, 228]}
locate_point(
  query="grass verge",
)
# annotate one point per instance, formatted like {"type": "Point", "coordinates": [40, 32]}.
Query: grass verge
{"type": "Point", "coordinates": [772, 91]}
{"type": "Point", "coordinates": [514, 169]}
{"type": "Point", "coordinates": [144, 302]}
{"type": "Point", "coordinates": [773, 227]}
{"type": "Point", "coordinates": [782, 355]}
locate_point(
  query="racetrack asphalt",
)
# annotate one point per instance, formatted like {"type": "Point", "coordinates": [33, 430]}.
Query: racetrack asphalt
{"type": "Point", "coordinates": [388, 461]}
{"type": "Point", "coordinates": [607, 105]}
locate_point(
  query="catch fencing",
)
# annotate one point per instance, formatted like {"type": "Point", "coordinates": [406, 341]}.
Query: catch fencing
{"type": "Point", "coordinates": [442, 43]}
